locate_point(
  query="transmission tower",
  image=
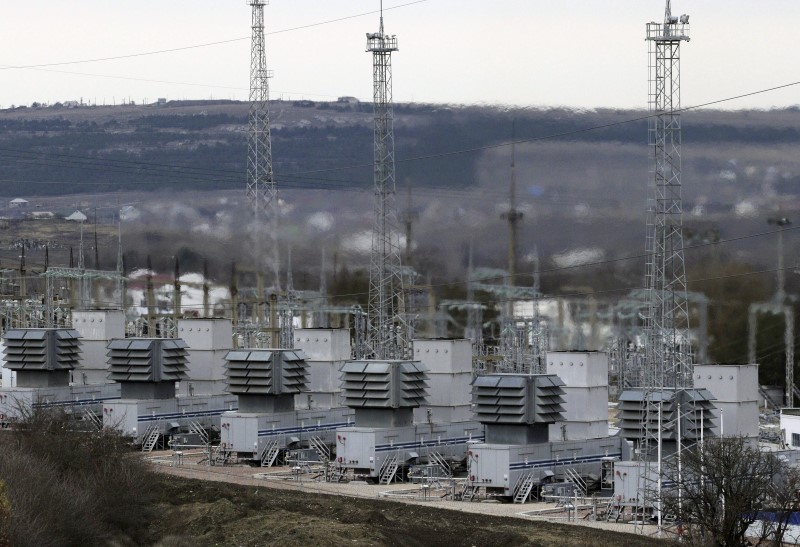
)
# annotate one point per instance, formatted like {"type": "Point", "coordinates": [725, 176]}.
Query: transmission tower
{"type": "Point", "coordinates": [667, 364]}
{"type": "Point", "coordinates": [386, 298]}
{"type": "Point", "coordinates": [262, 192]}
{"type": "Point", "coordinates": [668, 355]}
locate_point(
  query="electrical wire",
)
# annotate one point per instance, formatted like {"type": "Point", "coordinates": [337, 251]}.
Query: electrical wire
{"type": "Point", "coordinates": [206, 44]}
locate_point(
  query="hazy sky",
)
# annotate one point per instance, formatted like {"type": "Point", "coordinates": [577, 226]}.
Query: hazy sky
{"type": "Point", "coordinates": [578, 53]}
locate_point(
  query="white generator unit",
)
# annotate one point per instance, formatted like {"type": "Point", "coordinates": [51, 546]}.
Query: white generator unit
{"type": "Point", "coordinates": [97, 328]}
{"type": "Point", "coordinates": [735, 388]}
{"type": "Point", "coordinates": [371, 453]}
{"type": "Point", "coordinates": [43, 360]}
{"type": "Point", "coordinates": [208, 341]}
{"type": "Point", "coordinates": [585, 377]}
{"type": "Point", "coordinates": [252, 436]}
{"type": "Point", "coordinates": [515, 471]}
{"type": "Point", "coordinates": [135, 418]}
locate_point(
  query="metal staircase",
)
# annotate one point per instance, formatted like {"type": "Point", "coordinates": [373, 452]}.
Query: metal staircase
{"type": "Point", "coordinates": [320, 448]}
{"type": "Point", "coordinates": [90, 417]}
{"type": "Point", "coordinates": [524, 485]}
{"type": "Point", "coordinates": [388, 470]}
{"type": "Point", "coordinates": [199, 430]}
{"type": "Point", "coordinates": [150, 437]}
{"type": "Point", "coordinates": [270, 453]}
{"type": "Point", "coordinates": [220, 456]}
{"type": "Point", "coordinates": [470, 491]}
{"type": "Point", "coordinates": [572, 476]}
{"type": "Point", "coordinates": [437, 459]}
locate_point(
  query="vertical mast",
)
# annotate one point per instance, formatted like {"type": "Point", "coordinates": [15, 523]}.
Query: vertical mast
{"type": "Point", "coordinates": [261, 188]}
{"type": "Point", "coordinates": [386, 337]}
{"type": "Point", "coordinates": [668, 356]}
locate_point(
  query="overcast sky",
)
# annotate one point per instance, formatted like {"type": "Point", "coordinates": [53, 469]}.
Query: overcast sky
{"type": "Point", "coordinates": [578, 53]}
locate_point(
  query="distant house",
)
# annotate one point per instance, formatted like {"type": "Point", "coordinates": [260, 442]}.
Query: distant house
{"type": "Point", "coordinates": [18, 202]}
{"type": "Point", "coordinates": [77, 216]}
{"type": "Point", "coordinates": [348, 100]}
{"type": "Point", "coordinates": [162, 101]}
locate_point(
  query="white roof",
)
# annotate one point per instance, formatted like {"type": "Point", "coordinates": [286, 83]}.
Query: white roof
{"type": "Point", "coordinates": [19, 200]}
{"type": "Point", "coordinates": [77, 216]}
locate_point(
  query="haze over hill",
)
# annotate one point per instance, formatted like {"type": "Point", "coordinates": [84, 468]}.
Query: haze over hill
{"type": "Point", "coordinates": [582, 174]}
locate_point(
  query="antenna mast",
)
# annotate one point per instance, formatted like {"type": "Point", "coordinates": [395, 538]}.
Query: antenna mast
{"type": "Point", "coordinates": [262, 192]}
{"type": "Point", "coordinates": [668, 362]}
{"type": "Point", "coordinates": [387, 339]}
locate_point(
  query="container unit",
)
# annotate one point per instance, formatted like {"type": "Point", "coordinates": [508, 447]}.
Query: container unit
{"type": "Point", "coordinates": [250, 435]}
{"type": "Point", "coordinates": [449, 370]}
{"type": "Point", "coordinates": [735, 388]}
{"type": "Point", "coordinates": [208, 341]}
{"type": "Point", "coordinates": [97, 328]}
{"type": "Point", "coordinates": [508, 470]}
{"type": "Point", "coordinates": [168, 416]}
{"type": "Point", "coordinates": [83, 402]}
{"type": "Point", "coordinates": [364, 452]}
{"type": "Point", "coordinates": [790, 427]}
{"type": "Point", "coordinates": [585, 377]}
{"type": "Point", "coordinates": [43, 360]}
{"type": "Point", "coordinates": [326, 351]}
{"type": "Point", "coordinates": [266, 382]}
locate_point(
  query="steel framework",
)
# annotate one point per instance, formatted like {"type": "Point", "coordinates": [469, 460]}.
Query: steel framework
{"type": "Point", "coordinates": [667, 319]}
{"type": "Point", "coordinates": [387, 336]}
{"type": "Point", "coordinates": [262, 192]}
{"type": "Point", "coordinates": [668, 356]}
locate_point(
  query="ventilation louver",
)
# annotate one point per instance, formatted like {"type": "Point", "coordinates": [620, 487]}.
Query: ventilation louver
{"type": "Point", "coordinates": [148, 360]}
{"type": "Point", "coordinates": [42, 349]}
{"type": "Point", "coordinates": [518, 399]}
{"type": "Point", "coordinates": [383, 384]}
{"type": "Point", "coordinates": [637, 416]}
{"type": "Point", "coordinates": [266, 372]}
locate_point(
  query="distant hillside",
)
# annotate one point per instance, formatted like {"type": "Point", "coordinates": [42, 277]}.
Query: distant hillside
{"type": "Point", "coordinates": [202, 144]}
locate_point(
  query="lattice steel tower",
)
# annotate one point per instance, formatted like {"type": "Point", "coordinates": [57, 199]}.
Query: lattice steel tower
{"type": "Point", "coordinates": [387, 337]}
{"type": "Point", "coordinates": [262, 192]}
{"type": "Point", "coordinates": [668, 355]}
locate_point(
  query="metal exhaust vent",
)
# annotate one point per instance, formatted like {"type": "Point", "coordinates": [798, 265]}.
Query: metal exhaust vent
{"type": "Point", "coordinates": [42, 349]}
{"type": "Point", "coordinates": [150, 360]}
{"type": "Point", "coordinates": [266, 372]}
{"type": "Point", "coordinates": [384, 384]}
{"type": "Point", "coordinates": [518, 399]}
{"type": "Point", "coordinates": [696, 413]}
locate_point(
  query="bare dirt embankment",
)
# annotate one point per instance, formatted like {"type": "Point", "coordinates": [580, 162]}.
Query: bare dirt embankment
{"type": "Point", "coordinates": [210, 512]}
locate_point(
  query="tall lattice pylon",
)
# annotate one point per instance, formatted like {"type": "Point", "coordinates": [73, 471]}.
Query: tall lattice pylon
{"type": "Point", "coordinates": [262, 192]}
{"type": "Point", "coordinates": [668, 356]}
{"type": "Point", "coordinates": [668, 360]}
{"type": "Point", "coordinates": [386, 297]}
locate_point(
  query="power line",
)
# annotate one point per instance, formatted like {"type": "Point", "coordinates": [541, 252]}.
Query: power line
{"type": "Point", "coordinates": [204, 45]}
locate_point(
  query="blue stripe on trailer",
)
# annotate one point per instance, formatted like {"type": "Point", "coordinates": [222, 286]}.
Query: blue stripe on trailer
{"type": "Point", "coordinates": [288, 430]}
{"type": "Point", "coordinates": [76, 402]}
{"type": "Point", "coordinates": [179, 415]}
{"type": "Point", "coordinates": [580, 459]}
{"type": "Point", "coordinates": [426, 444]}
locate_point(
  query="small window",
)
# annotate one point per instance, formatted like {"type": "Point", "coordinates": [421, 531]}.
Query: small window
{"type": "Point", "coordinates": [795, 439]}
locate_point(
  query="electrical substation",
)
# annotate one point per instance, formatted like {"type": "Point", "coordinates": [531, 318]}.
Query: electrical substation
{"type": "Point", "coordinates": [530, 416]}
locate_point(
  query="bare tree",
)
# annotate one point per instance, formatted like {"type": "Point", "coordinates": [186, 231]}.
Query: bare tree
{"type": "Point", "coordinates": [725, 486]}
